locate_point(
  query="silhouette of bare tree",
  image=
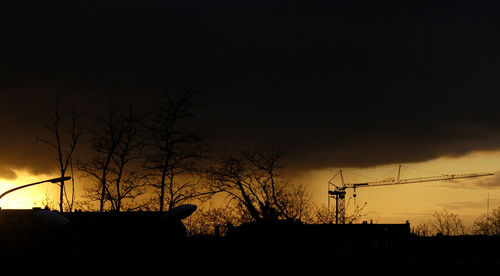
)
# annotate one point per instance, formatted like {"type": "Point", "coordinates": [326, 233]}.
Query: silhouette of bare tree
{"type": "Point", "coordinates": [448, 223]}
{"type": "Point", "coordinates": [116, 142]}
{"type": "Point", "coordinates": [211, 221]}
{"type": "Point", "coordinates": [488, 225]}
{"type": "Point", "coordinates": [64, 139]}
{"type": "Point", "coordinates": [324, 215]}
{"type": "Point", "coordinates": [254, 180]}
{"type": "Point", "coordinates": [175, 148]}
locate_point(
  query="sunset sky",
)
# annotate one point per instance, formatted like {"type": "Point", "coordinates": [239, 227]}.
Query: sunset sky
{"type": "Point", "coordinates": [357, 85]}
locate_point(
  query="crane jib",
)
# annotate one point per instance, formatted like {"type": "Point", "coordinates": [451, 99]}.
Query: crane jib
{"type": "Point", "coordinates": [339, 192]}
{"type": "Point", "coordinates": [415, 180]}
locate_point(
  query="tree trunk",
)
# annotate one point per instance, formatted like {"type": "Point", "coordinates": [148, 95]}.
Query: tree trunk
{"type": "Point", "coordinates": [103, 193]}
{"type": "Point", "coordinates": [162, 189]}
{"type": "Point", "coordinates": [61, 207]}
{"type": "Point", "coordinates": [61, 190]}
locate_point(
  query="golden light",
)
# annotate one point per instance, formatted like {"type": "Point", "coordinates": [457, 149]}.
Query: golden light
{"type": "Point", "coordinates": [36, 196]}
{"type": "Point", "coordinates": [416, 202]}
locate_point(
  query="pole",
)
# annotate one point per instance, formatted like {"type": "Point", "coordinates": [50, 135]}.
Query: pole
{"type": "Point", "coordinates": [488, 206]}
{"type": "Point", "coordinates": [336, 209]}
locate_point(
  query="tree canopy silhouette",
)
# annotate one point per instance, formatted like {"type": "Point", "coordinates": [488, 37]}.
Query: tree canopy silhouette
{"type": "Point", "coordinates": [116, 142]}
{"type": "Point", "coordinates": [65, 129]}
{"type": "Point", "coordinates": [175, 148]}
{"type": "Point", "coordinates": [254, 180]}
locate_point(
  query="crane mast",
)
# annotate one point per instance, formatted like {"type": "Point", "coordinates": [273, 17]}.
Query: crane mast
{"type": "Point", "coordinates": [338, 192]}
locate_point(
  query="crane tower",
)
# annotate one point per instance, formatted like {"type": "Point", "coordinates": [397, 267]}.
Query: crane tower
{"type": "Point", "coordinates": [338, 192]}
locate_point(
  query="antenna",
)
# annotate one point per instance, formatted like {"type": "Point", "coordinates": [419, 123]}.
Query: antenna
{"type": "Point", "coordinates": [488, 205]}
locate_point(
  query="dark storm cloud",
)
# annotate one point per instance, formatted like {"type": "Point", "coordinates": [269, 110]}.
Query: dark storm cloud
{"type": "Point", "coordinates": [342, 83]}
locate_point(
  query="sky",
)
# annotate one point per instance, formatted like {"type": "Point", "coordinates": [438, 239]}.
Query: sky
{"type": "Point", "coordinates": [358, 85]}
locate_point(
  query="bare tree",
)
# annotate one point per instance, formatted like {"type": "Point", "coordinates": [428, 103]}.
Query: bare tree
{"type": "Point", "coordinates": [488, 225]}
{"type": "Point", "coordinates": [297, 203]}
{"type": "Point", "coordinates": [354, 213]}
{"type": "Point", "coordinates": [482, 226]}
{"type": "Point", "coordinates": [423, 230]}
{"type": "Point", "coordinates": [64, 139]}
{"type": "Point", "coordinates": [175, 149]}
{"type": "Point", "coordinates": [447, 223]}
{"type": "Point", "coordinates": [115, 142]}
{"type": "Point", "coordinates": [324, 215]}
{"type": "Point", "coordinates": [211, 221]}
{"type": "Point", "coordinates": [253, 180]}
{"type": "Point", "coordinates": [494, 220]}
{"type": "Point", "coordinates": [127, 179]}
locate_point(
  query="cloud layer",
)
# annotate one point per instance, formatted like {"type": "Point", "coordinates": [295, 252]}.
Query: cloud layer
{"type": "Point", "coordinates": [338, 84]}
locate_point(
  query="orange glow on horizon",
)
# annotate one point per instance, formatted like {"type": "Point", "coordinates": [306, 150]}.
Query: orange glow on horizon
{"type": "Point", "coordinates": [29, 197]}
{"type": "Point", "coordinates": [386, 204]}
{"type": "Point", "coordinates": [416, 202]}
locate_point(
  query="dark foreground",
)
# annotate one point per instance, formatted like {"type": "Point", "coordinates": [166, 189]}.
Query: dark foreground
{"type": "Point", "coordinates": [126, 242]}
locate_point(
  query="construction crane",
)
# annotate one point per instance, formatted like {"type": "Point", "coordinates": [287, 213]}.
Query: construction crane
{"type": "Point", "coordinates": [339, 192]}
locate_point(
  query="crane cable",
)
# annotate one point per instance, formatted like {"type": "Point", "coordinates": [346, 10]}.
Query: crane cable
{"type": "Point", "coordinates": [427, 171]}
